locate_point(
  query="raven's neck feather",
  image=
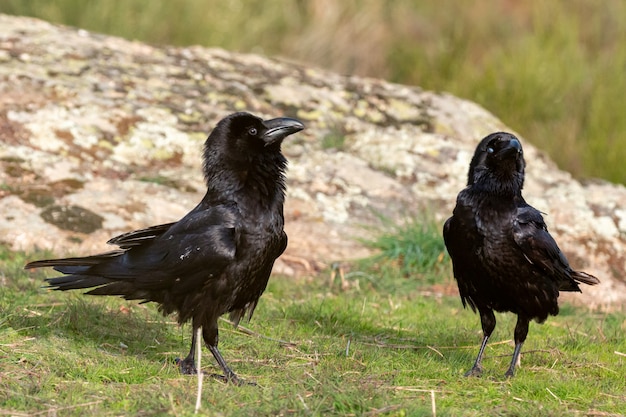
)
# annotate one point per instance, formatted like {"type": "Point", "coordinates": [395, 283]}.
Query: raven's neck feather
{"type": "Point", "coordinates": [261, 182]}
{"type": "Point", "coordinates": [501, 182]}
{"type": "Point", "coordinates": [501, 186]}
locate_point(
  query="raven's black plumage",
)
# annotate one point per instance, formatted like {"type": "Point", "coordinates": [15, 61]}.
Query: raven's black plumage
{"type": "Point", "coordinates": [218, 258]}
{"type": "Point", "coordinates": [503, 257]}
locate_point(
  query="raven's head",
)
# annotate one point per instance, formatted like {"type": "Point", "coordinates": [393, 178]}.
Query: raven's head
{"type": "Point", "coordinates": [499, 156]}
{"type": "Point", "coordinates": [242, 143]}
{"type": "Point", "coordinates": [243, 137]}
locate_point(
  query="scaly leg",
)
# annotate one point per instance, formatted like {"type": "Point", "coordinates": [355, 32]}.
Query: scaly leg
{"type": "Point", "coordinates": [488, 322]}
{"type": "Point", "coordinates": [188, 365]}
{"type": "Point", "coordinates": [521, 331]}
{"type": "Point", "coordinates": [210, 335]}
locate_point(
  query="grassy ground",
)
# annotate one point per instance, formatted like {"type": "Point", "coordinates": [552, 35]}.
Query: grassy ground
{"type": "Point", "coordinates": [552, 70]}
{"type": "Point", "coordinates": [384, 338]}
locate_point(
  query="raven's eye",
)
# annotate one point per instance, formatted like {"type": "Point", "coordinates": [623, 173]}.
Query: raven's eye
{"type": "Point", "coordinates": [490, 149]}
{"type": "Point", "coordinates": [252, 131]}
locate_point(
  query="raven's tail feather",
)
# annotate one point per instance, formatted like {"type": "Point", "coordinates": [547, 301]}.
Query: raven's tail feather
{"type": "Point", "coordinates": [75, 282]}
{"type": "Point", "coordinates": [82, 262]}
{"type": "Point", "coordinates": [77, 270]}
{"type": "Point", "coordinates": [585, 278]}
{"type": "Point", "coordinates": [92, 272]}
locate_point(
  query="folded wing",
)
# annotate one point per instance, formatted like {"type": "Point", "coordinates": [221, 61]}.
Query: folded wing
{"type": "Point", "coordinates": [540, 249]}
{"type": "Point", "coordinates": [177, 257]}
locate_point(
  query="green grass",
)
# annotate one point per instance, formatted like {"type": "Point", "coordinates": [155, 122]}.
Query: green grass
{"type": "Point", "coordinates": [406, 252]}
{"type": "Point", "coordinates": [552, 70]}
{"type": "Point", "coordinates": [378, 343]}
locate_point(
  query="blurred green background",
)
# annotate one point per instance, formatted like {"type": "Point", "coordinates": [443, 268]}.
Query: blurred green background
{"type": "Point", "coordinates": [552, 70]}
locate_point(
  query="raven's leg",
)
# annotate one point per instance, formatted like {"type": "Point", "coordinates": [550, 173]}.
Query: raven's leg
{"type": "Point", "coordinates": [210, 335]}
{"type": "Point", "coordinates": [488, 322]}
{"type": "Point", "coordinates": [188, 365]}
{"type": "Point", "coordinates": [521, 331]}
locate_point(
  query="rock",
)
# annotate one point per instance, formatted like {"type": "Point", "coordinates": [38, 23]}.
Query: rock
{"type": "Point", "coordinates": [110, 131]}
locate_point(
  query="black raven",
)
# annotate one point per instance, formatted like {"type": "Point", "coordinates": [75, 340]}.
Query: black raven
{"type": "Point", "coordinates": [218, 258]}
{"type": "Point", "coordinates": [503, 257]}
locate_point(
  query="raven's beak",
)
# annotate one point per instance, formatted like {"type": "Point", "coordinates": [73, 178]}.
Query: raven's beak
{"type": "Point", "coordinates": [278, 129]}
{"type": "Point", "coordinates": [513, 147]}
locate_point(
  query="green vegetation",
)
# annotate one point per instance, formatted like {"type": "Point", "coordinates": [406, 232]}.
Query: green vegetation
{"type": "Point", "coordinates": [413, 250]}
{"type": "Point", "coordinates": [334, 140]}
{"type": "Point", "coordinates": [385, 341]}
{"type": "Point", "coordinates": [552, 70]}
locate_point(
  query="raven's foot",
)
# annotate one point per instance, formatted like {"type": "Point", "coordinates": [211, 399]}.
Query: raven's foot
{"type": "Point", "coordinates": [232, 379]}
{"type": "Point", "coordinates": [187, 366]}
{"type": "Point", "coordinates": [476, 371]}
{"type": "Point", "coordinates": [510, 373]}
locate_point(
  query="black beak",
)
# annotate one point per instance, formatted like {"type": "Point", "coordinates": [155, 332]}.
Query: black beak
{"type": "Point", "coordinates": [279, 128]}
{"type": "Point", "coordinates": [512, 148]}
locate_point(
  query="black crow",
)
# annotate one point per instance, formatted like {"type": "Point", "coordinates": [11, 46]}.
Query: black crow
{"type": "Point", "coordinates": [218, 258]}
{"type": "Point", "coordinates": [503, 257]}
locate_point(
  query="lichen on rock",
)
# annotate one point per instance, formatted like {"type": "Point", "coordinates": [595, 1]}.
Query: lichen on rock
{"type": "Point", "coordinates": [72, 218]}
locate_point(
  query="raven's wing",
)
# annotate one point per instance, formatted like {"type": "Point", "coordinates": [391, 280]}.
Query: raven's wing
{"type": "Point", "coordinates": [531, 235]}
{"type": "Point", "coordinates": [540, 249]}
{"type": "Point", "coordinates": [139, 237]}
{"type": "Point", "coordinates": [179, 258]}
{"type": "Point", "coordinates": [459, 247]}
{"type": "Point", "coordinates": [204, 240]}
